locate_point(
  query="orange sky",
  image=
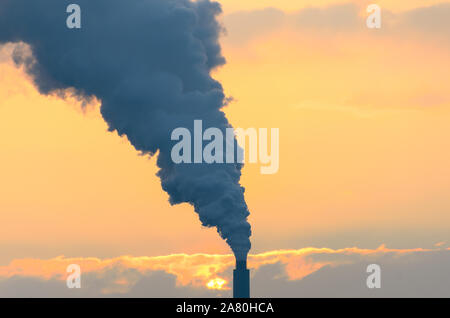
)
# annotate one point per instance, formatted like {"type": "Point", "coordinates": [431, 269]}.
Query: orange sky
{"type": "Point", "coordinates": [364, 150]}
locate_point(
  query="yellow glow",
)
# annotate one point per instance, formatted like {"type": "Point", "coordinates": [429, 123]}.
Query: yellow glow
{"type": "Point", "coordinates": [216, 283]}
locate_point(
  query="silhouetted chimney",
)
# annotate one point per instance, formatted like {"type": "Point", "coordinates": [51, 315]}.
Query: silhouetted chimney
{"type": "Point", "coordinates": [241, 280]}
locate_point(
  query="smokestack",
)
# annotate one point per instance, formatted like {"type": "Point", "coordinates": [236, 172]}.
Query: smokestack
{"type": "Point", "coordinates": [241, 280]}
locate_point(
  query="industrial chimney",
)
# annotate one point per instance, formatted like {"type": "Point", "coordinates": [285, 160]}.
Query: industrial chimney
{"type": "Point", "coordinates": [241, 280]}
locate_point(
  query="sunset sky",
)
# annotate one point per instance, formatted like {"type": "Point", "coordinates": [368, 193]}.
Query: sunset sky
{"type": "Point", "coordinates": [364, 119]}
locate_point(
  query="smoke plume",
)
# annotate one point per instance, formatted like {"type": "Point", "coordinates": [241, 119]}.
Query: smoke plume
{"type": "Point", "coordinates": [149, 64]}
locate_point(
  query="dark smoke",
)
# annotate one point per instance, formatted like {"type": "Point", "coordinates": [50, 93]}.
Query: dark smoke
{"type": "Point", "coordinates": [149, 63]}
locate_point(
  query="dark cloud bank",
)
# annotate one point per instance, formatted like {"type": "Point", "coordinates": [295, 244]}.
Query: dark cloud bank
{"type": "Point", "coordinates": [149, 63]}
{"type": "Point", "coordinates": [417, 274]}
{"type": "Point", "coordinates": [411, 275]}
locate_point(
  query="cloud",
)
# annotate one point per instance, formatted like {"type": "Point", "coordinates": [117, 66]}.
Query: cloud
{"type": "Point", "coordinates": [155, 284]}
{"type": "Point", "coordinates": [335, 17]}
{"type": "Point", "coordinates": [409, 275]}
{"type": "Point", "coordinates": [431, 20]}
{"type": "Point", "coordinates": [306, 272]}
{"type": "Point", "coordinates": [194, 270]}
{"type": "Point", "coordinates": [245, 26]}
